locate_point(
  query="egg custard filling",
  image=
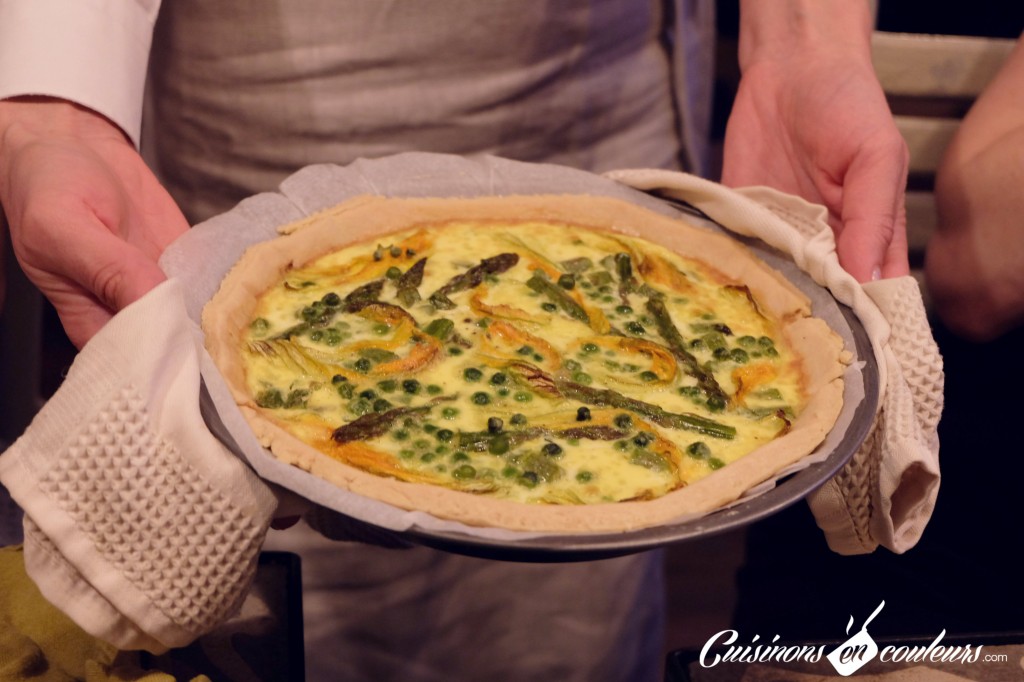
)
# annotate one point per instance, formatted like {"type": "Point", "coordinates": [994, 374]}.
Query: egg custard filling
{"type": "Point", "coordinates": [532, 359]}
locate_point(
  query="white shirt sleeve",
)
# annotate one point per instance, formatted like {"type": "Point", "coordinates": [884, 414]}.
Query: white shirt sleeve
{"type": "Point", "coordinates": [92, 52]}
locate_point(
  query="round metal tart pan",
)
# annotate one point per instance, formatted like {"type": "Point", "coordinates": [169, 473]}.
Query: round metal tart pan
{"type": "Point", "coordinates": [203, 255]}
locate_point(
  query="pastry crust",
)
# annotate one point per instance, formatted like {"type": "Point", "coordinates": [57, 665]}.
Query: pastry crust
{"type": "Point", "coordinates": [228, 314]}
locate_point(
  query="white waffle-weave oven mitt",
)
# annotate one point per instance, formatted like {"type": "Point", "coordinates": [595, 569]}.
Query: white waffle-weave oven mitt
{"type": "Point", "coordinates": [886, 493]}
{"type": "Point", "coordinates": [139, 524]}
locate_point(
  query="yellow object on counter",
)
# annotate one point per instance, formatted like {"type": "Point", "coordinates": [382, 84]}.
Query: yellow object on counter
{"type": "Point", "coordinates": [38, 643]}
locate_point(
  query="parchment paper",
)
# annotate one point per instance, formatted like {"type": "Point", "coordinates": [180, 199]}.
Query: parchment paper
{"type": "Point", "coordinates": [203, 256]}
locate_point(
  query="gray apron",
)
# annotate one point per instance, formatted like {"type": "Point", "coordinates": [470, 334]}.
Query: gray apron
{"type": "Point", "coordinates": [245, 92]}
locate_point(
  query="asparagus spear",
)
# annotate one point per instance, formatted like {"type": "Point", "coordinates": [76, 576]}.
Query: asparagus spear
{"type": "Point", "coordinates": [503, 441]}
{"type": "Point", "coordinates": [606, 397]}
{"type": "Point", "coordinates": [376, 424]}
{"type": "Point", "coordinates": [627, 282]}
{"type": "Point", "coordinates": [559, 297]}
{"type": "Point", "coordinates": [408, 284]}
{"type": "Point", "coordinates": [360, 297]}
{"type": "Point", "coordinates": [472, 278]}
{"type": "Point", "coordinates": [676, 343]}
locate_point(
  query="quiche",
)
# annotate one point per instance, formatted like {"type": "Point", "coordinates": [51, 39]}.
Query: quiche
{"type": "Point", "coordinates": [537, 363]}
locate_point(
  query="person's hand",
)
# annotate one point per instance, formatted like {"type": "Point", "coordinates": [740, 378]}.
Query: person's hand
{"type": "Point", "coordinates": [810, 119]}
{"type": "Point", "coordinates": [88, 219]}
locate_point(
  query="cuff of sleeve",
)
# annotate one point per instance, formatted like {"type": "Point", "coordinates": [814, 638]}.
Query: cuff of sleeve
{"type": "Point", "coordinates": [92, 52]}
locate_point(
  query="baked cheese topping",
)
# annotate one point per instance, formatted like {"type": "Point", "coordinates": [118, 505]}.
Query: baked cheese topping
{"type": "Point", "coordinates": [532, 361]}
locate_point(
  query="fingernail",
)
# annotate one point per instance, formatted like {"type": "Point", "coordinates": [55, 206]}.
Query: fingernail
{"type": "Point", "coordinates": [876, 274]}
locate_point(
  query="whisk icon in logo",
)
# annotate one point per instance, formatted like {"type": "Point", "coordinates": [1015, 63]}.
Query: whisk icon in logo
{"type": "Point", "coordinates": [854, 653]}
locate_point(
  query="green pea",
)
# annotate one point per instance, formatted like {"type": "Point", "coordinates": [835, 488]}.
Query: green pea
{"type": "Point", "coordinates": [582, 378]}
{"type": "Point", "coordinates": [472, 374]}
{"type": "Point", "coordinates": [529, 479]}
{"type": "Point", "coordinates": [715, 463]}
{"type": "Point", "coordinates": [525, 350]}
{"type": "Point", "coordinates": [498, 379]}
{"type": "Point", "coordinates": [567, 281]}
{"type": "Point", "coordinates": [623, 421]}
{"type": "Point", "coordinates": [522, 397]}
{"type": "Point", "coordinates": [346, 390]}
{"type": "Point", "coordinates": [747, 341]}
{"type": "Point", "coordinates": [411, 386]}
{"type": "Point", "coordinates": [517, 419]}
{"type": "Point", "coordinates": [360, 406]}
{"type": "Point", "coordinates": [634, 327]}
{"type": "Point", "coordinates": [584, 476]}
{"type": "Point", "coordinates": [450, 413]}
{"type": "Point", "coordinates": [381, 405]}
{"type": "Point", "coordinates": [549, 307]}
{"type": "Point", "coordinates": [698, 450]}
{"type": "Point", "coordinates": [331, 299]}
{"type": "Point", "coordinates": [572, 365]}
{"type": "Point", "coordinates": [363, 365]}
{"type": "Point", "coordinates": [460, 456]}
{"type": "Point", "coordinates": [552, 449]}
{"type": "Point", "coordinates": [624, 309]}
{"type": "Point", "coordinates": [434, 389]}
{"type": "Point", "coordinates": [716, 403]}
{"type": "Point", "coordinates": [388, 385]}
{"type": "Point", "coordinates": [444, 435]}
{"type": "Point", "coordinates": [648, 376]}
{"type": "Point", "coordinates": [400, 434]}
{"type": "Point", "coordinates": [589, 348]}
{"type": "Point", "coordinates": [259, 325]}
{"type": "Point", "coordinates": [393, 273]}
{"type": "Point", "coordinates": [480, 398]}
{"type": "Point", "coordinates": [739, 356]}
